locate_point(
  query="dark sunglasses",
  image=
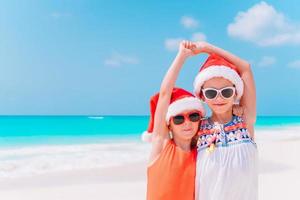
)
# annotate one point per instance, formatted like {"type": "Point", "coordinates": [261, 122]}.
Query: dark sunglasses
{"type": "Point", "coordinates": [212, 93]}
{"type": "Point", "coordinates": [193, 117]}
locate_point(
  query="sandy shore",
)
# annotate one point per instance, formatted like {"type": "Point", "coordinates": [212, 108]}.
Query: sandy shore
{"type": "Point", "coordinates": [279, 177]}
{"type": "Point", "coordinates": [125, 182]}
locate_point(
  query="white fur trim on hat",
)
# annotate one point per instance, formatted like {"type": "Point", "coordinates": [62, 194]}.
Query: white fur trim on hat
{"type": "Point", "coordinates": [146, 136]}
{"type": "Point", "coordinates": [219, 71]}
{"type": "Point", "coordinates": [187, 103]}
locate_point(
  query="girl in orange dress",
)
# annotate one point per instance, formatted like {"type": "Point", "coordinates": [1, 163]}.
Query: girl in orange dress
{"type": "Point", "coordinates": [174, 122]}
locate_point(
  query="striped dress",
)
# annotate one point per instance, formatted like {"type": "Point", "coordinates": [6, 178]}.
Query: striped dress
{"type": "Point", "coordinates": [226, 165]}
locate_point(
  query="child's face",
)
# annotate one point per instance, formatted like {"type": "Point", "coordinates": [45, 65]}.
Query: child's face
{"type": "Point", "coordinates": [219, 104]}
{"type": "Point", "coordinates": [187, 129]}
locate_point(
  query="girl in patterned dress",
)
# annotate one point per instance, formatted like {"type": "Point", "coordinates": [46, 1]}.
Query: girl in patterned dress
{"type": "Point", "coordinates": [226, 166]}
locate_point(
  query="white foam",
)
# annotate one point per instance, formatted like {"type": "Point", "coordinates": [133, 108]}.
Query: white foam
{"type": "Point", "coordinates": [96, 117]}
{"type": "Point", "coordinates": [28, 161]}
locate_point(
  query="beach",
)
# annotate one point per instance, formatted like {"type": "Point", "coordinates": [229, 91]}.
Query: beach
{"type": "Point", "coordinates": [79, 85]}
{"type": "Point", "coordinates": [279, 172]}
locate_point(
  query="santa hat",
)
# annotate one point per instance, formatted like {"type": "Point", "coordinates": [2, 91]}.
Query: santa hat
{"type": "Point", "coordinates": [181, 100]}
{"type": "Point", "coordinates": [217, 66]}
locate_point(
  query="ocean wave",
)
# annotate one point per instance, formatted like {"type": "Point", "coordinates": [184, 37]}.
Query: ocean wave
{"type": "Point", "coordinates": [33, 160]}
{"type": "Point", "coordinates": [96, 117]}
{"type": "Point", "coordinates": [28, 161]}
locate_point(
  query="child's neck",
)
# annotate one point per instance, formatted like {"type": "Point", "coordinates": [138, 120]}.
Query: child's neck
{"type": "Point", "coordinates": [222, 118]}
{"type": "Point", "coordinates": [185, 145]}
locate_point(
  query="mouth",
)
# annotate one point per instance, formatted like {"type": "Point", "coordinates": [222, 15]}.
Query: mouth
{"type": "Point", "coordinates": [187, 129]}
{"type": "Point", "coordinates": [219, 104]}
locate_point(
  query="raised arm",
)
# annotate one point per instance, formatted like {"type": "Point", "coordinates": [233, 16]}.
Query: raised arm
{"type": "Point", "coordinates": [248, 100]}
{"type": "Point", "coordinates": [160, 129]}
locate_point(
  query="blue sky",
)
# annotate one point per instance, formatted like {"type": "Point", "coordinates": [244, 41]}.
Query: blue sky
{"type": "Point", "coordinates": [108, 57]}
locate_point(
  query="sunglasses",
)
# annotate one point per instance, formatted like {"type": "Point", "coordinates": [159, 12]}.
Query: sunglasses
{"type": "Point", "coordinates": [193, 117]}
{"type": "Point", "coordinates": [212, 93]}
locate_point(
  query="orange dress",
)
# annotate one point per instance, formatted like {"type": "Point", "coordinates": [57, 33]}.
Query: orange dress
{"type": "Point", "coordinates": [172, 175]}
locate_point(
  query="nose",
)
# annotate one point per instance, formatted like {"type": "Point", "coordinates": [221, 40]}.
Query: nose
{"type": "Point", "coordinates": [187, 123]}
{"type": "Point", "coordinates": [219, 98]}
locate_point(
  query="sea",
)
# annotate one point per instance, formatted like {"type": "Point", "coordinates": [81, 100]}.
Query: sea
{"type": "Point", "coordinates": [33, 145]}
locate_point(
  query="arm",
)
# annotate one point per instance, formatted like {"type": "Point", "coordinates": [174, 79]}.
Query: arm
{"type": "Point", "coordinates": [248, 100]}
{"type": "Point", "coordinates": [160, 131]}
{"type": "Point", "coordinates": [237, 110]}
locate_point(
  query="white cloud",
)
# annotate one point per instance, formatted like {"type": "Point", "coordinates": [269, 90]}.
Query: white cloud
{"type": "Point", "coordinates": [117, 59]}
{"type": "Point", "coordinates": [263, 25]}
{"type": "Point", "coordinates": [172, 44]}
{"type": "Point", "coordinates": [189, 22]}
{"type": "Point", "coordinates": [294, 64]}
{"type": "Point", "coordinates": [198, 37]}
{"type": "Point", "coordinates": [266, 61]}
{"type": "Point", "coordinates": [58, 15]}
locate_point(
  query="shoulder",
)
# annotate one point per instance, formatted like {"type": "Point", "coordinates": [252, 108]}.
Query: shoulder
{"type": "Point", "coordinates": [158, 146]}
{"type": "Point", "coordinates": [205, 127]}
{"type": "Point", "coordinates": [236, 124]}
{"type": "Point", "coordinates": [204, 123]}
{"type": "Point", "coordinates": [237, 119]}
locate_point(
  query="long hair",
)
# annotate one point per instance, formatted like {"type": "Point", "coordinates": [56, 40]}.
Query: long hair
{"type": "Point", "coordinates": [194, 141]}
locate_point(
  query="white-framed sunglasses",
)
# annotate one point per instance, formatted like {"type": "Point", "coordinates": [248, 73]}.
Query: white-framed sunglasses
{"type": "Point", "coordinates": [212, 93]}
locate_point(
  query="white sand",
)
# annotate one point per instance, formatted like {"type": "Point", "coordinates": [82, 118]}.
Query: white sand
{"type": "Point", "coordinates": [126, 182]}
{"type": "Point", "coordinates": [279, 177]}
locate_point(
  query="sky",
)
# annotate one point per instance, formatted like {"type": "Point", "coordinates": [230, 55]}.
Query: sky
{"type": "Point", "coordinates": [97, 57]}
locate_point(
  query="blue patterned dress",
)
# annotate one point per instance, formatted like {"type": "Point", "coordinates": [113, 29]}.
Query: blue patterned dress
{"type": "Point", "coordinates": [226, 162]}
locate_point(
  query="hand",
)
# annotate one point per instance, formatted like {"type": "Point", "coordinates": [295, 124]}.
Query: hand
{"type": "Point", "coordinates": [238, 110]}
{"type": "Point", "coordinates": [201, 47]}
{"type": "Point", "coordinates": [186, 48]}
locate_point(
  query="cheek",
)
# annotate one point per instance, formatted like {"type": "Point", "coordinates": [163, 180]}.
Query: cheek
{"type": "Point", "coordinates": [209, 103]}
{"type": "Point", "coordinates": [230, 101]}
{"type": "Point", "coordinates": [196, 127]}
{"type": "Point", "coordinates": [173, 128]}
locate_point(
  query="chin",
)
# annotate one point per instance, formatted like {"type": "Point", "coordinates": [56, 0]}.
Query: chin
{"type": "Point", "coordinates": [188, 135]}
{"type": "Point", "coordinates": [221, 109]}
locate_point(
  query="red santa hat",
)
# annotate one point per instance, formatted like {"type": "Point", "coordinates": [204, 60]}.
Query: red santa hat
{"type": "Point", "coordinates": [181, 100]}
{"type": "Point", "coordinates": [217, 66]}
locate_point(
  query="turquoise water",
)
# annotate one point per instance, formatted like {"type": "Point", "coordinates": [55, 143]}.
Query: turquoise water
{"type": "Point", "coordinates": [276, 121]}
{"type": "Point", "coordinates": [36, 130]}
{"type": "Point", "coordinates": [32, 145]}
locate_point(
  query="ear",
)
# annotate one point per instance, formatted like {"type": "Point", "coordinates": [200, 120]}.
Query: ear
{"type": "Point", "coordinates": [201, 96]}
{"type": "Point", "coordinates": [170, 134]}
{"type": "Point", "coordinates": [235, 100]}
{"type": "Point", "coordinates": [169, 127]}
